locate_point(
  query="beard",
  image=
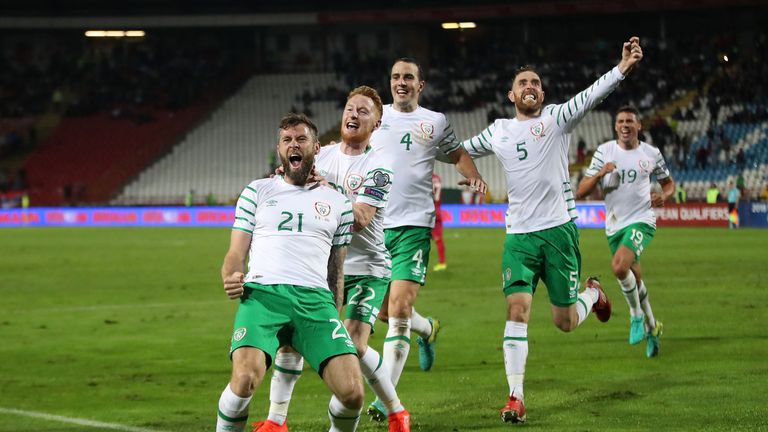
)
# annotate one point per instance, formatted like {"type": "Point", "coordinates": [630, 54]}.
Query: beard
{"type": "Point", "coordinates": [354, 138]}
{"type": "Point", "coordinates": [298, 175]}
{"type": "Point", "coordinates": [528, 110]}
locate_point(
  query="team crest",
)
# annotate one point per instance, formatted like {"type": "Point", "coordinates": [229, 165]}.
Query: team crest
{"type": "Point", "coordinates": [508, 273]}
{"type": "Point", "coordinates": [427, 130]}
{"type": "Point", "coordinates": [537, 130]}
{"type": "Point", "coordinates": [239, 334]}
{"type": "Point", "coordinates": [380, 178]}
{"type": "Point", "coordinates": [323, 209]}
{"type": "Point", "coordinates": [645, 165]}
{"type": "Point", "coordinates": [354, 181]}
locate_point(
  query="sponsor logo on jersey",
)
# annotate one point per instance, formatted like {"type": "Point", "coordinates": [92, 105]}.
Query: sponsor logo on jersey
{"type": "Point", "coordinates": [239, 334]}
{"type": "Point", "coordinates": [380, 178]}
{"type": "Point", "coordinates": [537, 130]}
{"type": "Point", "coordinates": [384, 126]}
{"type": "Point", "coordinates": [323, 209]}
{"type": "Point", "coordinates": [271, 203]}
{"type": "Point", "coordinates": [354, 181]}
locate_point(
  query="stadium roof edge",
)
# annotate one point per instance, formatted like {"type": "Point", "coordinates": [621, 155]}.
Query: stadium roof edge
{"type": "Point", "coordinates": [516, 9]}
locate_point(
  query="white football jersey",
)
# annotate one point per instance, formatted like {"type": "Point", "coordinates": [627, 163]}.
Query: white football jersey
{"type": "Point", "coordinates": [534, 155]}
{"type": "Point", "coordinates": [293, 229]}
{"type": "Point", "coordinates": [364, 178]}
{"type": "Point", "coordinates": [409, 142]}
{"type": "Point", "coordinates": [630, 202]}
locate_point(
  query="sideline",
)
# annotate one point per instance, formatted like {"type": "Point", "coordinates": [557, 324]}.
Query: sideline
{"type": "Point", "coordinates": [74, 420]}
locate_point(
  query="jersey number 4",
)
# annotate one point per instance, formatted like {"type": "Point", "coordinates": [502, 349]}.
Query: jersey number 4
{"type": "Point", "coordinates": [406, 139]}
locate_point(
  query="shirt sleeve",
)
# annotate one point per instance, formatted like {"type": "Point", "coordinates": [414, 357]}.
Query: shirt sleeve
{"type": "Point", "coordinates": [376, 187]}
{"type": "Point", "coordinates": [597, 163]}
{"type": "Point", "coordinates": [245, 211]}
{"type": "Point", "coordinates": [448, 143]}
{"type": "Point", "coordinates": [568, 114]}
{"type": "Point", "coordinates": [660, 170]}
{"type": "Point", "coordinates": [480, 144]}
{"type": "Point", "coordinates": [343, 234]}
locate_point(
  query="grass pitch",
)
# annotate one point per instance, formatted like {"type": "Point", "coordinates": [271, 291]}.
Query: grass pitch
{"type": "Point", "coordinates": [131, 326]}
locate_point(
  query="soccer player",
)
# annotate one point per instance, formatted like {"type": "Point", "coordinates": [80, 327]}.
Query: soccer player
{"type": "Point", "coordinates": [410, 136]}
{"type": "Point", "coordinates": [542, 241]}
{"type": "Point", "coordinates": [295, 237]}
{"type": "Point", "coordinates": [437, 231]}
{"type": "Point", "coordinates": [358, 172]}
{"type": "Point", "coordinates": [625, 166]}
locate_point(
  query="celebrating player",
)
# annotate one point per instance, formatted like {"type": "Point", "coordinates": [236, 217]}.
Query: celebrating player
{"type": "Point", "coordinates": [295, 239]}
{"type": "Point", "coordinates": [542, 240]}
{"type": "Point", "coordinates": [410, 136]}
{"type": "Point", "coordinates": [625, 166]}
{"type": "Point", "coordinates": [357, 171]}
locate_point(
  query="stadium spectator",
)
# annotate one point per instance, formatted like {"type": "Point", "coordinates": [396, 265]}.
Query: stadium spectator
{"type": "Point", "coordinates": [365, 178]}
{"type": "Point", "coordinates": [437, 231]}
{"type": "Point", "coordinates": [632, 225]}
{"type": "Point", "coordinates": [764, 193]}
{"type": "Point", "coordinates": [276, 281]}
{"type": "Point", "coordinates": [410, 136]}
{"type": "Point", "coordinates": [680, 194]}
{"type": "Point", "coordinates": [734, 195]}
{"type": "Point", "coordinates": [712, 193]}
{"type": "Point", "coordinates": [542, 240]}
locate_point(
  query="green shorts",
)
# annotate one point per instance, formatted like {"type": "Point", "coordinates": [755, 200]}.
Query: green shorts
{"type": "Point", "coordinates": [270, 316]}
{"type": "Point", "coordinates": [363, 296]}
{"type": "Point", "coordinates": [636, 237]}
{"type": "Point", "coordinates": [409, 247]}
{"type": "Point", "coordinates": [552, 255]}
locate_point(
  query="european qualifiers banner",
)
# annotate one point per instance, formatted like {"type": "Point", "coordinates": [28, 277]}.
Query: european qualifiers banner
{"type": "Point", "coordinates": [590, 215]}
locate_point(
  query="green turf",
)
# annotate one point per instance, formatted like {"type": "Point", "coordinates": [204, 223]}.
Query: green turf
{"type": "Point", "coordinates": [131, 326]}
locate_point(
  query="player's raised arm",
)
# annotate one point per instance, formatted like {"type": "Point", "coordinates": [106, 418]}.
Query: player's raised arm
{"type": "Point", "coordinates": [571, 112]}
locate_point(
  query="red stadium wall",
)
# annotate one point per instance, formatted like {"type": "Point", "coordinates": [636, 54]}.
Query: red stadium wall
{"type": "Point", "coordinates": [96, 155]}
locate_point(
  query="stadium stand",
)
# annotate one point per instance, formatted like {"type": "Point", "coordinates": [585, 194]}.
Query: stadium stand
{"type": "Point", "coordinates": [139, 129]}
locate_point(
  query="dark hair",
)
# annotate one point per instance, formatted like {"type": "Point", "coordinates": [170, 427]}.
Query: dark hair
{"type": "Point", "coordinates": [627, 109]}
{"type": "Point", "coordinates": [370, 93]}
{"type": "Point", "coordinates": [412, 61]}
{"type": "Point", "coordinates": [521, 69]}
{"type": "Point", "coordinates": [292, 119]}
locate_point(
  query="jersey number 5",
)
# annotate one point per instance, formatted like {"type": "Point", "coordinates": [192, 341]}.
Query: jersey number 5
{"type": "Point", "coordinates": [522, 152]}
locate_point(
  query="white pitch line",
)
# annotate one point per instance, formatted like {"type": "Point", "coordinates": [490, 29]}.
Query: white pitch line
{"type": "Point", "coordinates": [120, 306]}
{"type": "Point", "coordinates": [73, 420]}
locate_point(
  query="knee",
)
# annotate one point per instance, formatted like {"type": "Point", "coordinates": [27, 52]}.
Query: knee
{"type": "Point", "coordinates": [619, 268]}
{"type": "Point", "coordinates": [400, 306]}
{"type": "Point", "coordinates": [360, 345]}
{"type": "Point", "coordinates": [353, 395]}
{"type": "Point", "coordinates": [517, 313]}
{"type": "Point", "coordinates": [245, 380]}
{"type": "Point", "coordinates": [565, 324]}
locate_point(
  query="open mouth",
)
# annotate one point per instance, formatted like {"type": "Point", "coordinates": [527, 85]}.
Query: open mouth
{"type": "Point", "coordinates": [401, 92]}
{"type": "Point", "coordinates": [529, 97]}
{"type": "Point", "coordinates": [352, 125]}
{"type": "Point", "coordinates": [295, 160]}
